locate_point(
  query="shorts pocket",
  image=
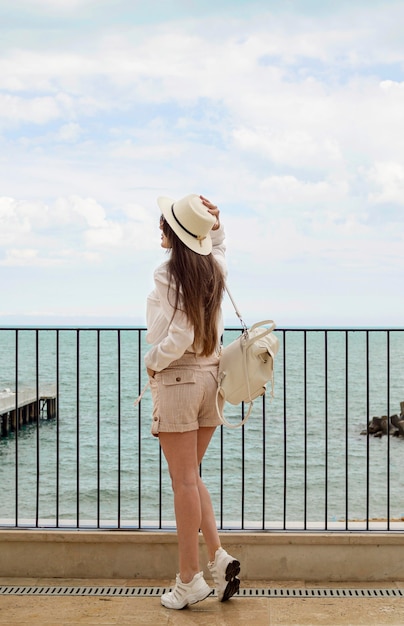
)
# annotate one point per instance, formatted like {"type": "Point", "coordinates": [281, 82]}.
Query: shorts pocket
{"type": "Point", "coordinates": [177, 377]}
{"type": "Point", "coordinates": [180, 395]}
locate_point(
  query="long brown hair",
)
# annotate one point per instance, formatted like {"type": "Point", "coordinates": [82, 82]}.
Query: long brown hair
{"type": "Point", "coordinates": [199, 285]}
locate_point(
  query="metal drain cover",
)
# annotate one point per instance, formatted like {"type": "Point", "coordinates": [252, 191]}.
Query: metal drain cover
{"type": "Point", "coordinates": [148, 592]}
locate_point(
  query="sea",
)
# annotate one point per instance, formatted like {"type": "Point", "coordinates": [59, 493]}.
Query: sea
{"type": "Point", "coordinates": [301, 458]}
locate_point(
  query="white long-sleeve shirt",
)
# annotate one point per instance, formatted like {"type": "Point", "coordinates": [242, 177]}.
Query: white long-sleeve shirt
{"type": "Point", "coordinates": [171, 340]}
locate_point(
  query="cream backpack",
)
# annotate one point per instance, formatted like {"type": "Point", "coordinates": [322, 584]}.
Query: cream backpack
{"type": "Point", "coordinates": [246, 365]}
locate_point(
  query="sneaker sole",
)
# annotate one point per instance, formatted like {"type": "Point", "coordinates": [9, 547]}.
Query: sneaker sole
{"type": "Point", "coordinates": [191, 600]}
{"type": "Point", "coordinates": [199, 599]}
{"type": "Point", "coordinates": [233, 584]}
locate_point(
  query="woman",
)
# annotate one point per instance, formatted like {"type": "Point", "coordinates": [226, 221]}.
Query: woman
{"type": "Point", "coordinates": [184, 325]}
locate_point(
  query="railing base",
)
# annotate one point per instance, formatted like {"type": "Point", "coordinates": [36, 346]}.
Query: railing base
{"type": "Point", "coordinates": [269, 556]}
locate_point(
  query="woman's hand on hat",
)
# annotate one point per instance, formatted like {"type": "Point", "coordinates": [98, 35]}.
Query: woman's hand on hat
{"type": "Point", "coordinates": [212, 208]}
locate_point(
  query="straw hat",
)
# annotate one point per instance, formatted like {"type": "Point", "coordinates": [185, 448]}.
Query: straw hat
{"type": "Point", "coordinates": [190, 220]}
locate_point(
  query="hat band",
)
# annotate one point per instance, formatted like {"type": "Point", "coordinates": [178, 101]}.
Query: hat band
{"type": "Point", "coordinates": [200, 238]}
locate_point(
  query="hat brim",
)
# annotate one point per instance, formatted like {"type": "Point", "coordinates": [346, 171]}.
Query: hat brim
{"type": "Point", "coordinates": [203, 247]}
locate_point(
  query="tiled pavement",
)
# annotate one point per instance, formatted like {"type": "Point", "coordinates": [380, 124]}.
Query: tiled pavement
{"type": "Point", "coordinates": [33, 609]}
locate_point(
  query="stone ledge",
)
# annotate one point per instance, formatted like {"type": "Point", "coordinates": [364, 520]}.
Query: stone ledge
{"type": "Point", "coordinates": [309, 556]}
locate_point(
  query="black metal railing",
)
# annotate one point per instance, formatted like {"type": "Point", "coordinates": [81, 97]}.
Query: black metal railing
{"type": "Point", "coordinates": [76, 453]}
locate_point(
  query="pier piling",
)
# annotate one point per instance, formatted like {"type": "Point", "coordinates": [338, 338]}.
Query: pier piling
{"type": "Point", "coordinates": [26, 407]}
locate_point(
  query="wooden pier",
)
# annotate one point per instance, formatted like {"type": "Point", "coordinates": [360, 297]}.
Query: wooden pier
{"type": "Point", "coordinates": [27, 408]}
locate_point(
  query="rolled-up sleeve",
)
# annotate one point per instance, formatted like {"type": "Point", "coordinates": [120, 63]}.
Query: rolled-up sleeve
{"type": "Point", "coordinates": [219, 248]}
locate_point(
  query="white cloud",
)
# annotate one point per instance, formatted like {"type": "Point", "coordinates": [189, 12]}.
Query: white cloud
{"type": "Point", "coordinates": [34, 257]}
{"type": "Point", "coordinates": [297, 148]}
{"type": "Point", "coordinates": [70, 132]}
{"type": "Point", "coordinates": [86, 210]}
{"type": "Point", "coordinates": [37, 110]}
{"type": "Point", "coordinates": [55, 6]}
{"type": "Point", "coordinates": [13, 224]}
{"type": "Point", "coordinates": [388, 179]}
{"type": "Point", "coordinates": [109, 235]}
{"type": "Point", "coordinates": [26, 256]}
{"type": "Point", "coordinates": [290, 191]}
{"type": "Point", "coordinates": [36, 233]}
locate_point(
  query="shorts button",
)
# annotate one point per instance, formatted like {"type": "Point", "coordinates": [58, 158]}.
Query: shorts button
{"type": "Point", "coordinates": [178, 379]}
{"type": "Point", "coordinates": [156, 419]}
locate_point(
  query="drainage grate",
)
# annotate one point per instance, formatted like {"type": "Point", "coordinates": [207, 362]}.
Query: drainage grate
{"type": "Point", "coordinates": [148, 592]}
{"type": "Point", "coordinates": [321, 593]}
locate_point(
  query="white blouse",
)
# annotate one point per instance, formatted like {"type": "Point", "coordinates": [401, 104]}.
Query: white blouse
{"type": "Point", "coordinates": [170, 341]}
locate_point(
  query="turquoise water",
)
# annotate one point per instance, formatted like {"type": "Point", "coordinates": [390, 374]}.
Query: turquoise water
{"type": "Point", "coordinates": [310, 440]}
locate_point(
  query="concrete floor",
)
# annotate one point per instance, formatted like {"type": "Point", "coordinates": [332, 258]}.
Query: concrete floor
{"type": "Point", "coordinates": [64, 610]}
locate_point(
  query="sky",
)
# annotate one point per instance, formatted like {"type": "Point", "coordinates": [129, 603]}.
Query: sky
{"type": "Point", "coordinates": [286, 114]}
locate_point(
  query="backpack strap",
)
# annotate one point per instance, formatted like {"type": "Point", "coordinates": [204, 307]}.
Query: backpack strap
{"type": "Point", "coordinates": [224, 421]}
{"type": "Point", "coordinates": [138, 399]}
{"type": "Point", "coordinates": [237, 312]}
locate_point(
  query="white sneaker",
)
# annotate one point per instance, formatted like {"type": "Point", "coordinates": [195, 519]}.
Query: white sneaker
{"type": "Point", "coordinates": [186, 593]}
{"type": "Point", "coordinates": [224, 570]}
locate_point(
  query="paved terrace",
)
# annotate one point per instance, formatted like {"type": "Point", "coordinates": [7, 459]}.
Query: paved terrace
{"type": "Point", "coordinates": [365, 605]}
{"type": "Point", "coordinates": [58, 578]}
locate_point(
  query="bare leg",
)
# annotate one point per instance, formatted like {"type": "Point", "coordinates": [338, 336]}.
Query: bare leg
{"type": "Point", "coordinates": [192, 503]}
{"type": "Point", "coordinates": [180, 450]}
{"type": "Point", "coordinates": [208, 522]}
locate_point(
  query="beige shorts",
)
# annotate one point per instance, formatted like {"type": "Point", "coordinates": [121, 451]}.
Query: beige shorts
{"type": "Point", "coordinates": [184, 395]}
